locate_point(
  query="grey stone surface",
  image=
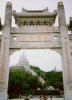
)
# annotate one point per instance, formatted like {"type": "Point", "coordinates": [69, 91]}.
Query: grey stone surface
{"type": "Point", "coordinates": [34, 36]}
{"type": "Point", "coordinates": [4, 53]}
{"type": "Point", "coordinates": [66, 53]}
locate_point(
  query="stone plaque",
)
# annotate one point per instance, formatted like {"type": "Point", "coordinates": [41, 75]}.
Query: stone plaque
{"type": "Point", "coordinates": [34, 37]}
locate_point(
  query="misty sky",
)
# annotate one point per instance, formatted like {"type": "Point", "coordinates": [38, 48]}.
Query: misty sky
{"type": "Point", "coordinates": [45, 59]}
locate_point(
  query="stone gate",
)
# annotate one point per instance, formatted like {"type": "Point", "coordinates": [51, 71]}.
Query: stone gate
{"type": "Point", "coordinates": [35, 31]}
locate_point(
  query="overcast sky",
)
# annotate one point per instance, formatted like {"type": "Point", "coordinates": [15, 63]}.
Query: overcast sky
{"type": "Point", "coordinates": [36, 4]}
{"type": "Point", "coordinates": [45, 59]}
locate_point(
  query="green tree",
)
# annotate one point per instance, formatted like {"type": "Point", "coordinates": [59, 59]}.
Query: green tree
{"type": "Point", "coordinates": [21, 82]}
{"type": "Point", "coordinates": [58, 85]}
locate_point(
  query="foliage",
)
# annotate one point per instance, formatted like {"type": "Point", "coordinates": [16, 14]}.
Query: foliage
{"type": "Point", "coordinates": [21, 82]}
{"type": "Point", "coordinates": [38, 71]}
{"type": "Point", "coordinates": [52, 78]}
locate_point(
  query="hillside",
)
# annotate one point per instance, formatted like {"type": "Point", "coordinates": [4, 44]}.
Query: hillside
{"type": "Point", "coordinates": [52, 78]}
{"type": "Point", "coordinates": [22, 82]}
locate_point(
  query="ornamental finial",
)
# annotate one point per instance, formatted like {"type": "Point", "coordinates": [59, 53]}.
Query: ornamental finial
{"type": "Point", "coordinates": [60, 4]}
{"type": "Point", "coordinates": [8, 5]}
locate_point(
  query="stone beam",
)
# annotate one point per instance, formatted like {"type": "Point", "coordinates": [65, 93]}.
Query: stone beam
{"type": "Point", "coordinates": [36, 45]}
{"type": "Point", "coordinates": [32, 29]}
{"type": "Point", "coordinates": [35, 40]}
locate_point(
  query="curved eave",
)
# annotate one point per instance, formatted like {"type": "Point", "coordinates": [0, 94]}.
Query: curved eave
{"type": "Point", "coordinates": [31, 15]}
{"type": "Point", "coordinates": [70, 24]}
{"type": "Point", "coordinates": [52, 16]}
{"type": "Point", "coordinates": [0, 25]}
{"type": "Point", "coordinates": [0, 37]}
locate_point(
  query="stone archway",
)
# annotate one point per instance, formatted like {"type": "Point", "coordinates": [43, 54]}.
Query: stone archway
{"type": "Point", "coordinates": [35, 31]}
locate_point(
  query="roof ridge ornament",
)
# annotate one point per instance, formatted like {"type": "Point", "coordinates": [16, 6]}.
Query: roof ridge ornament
{"type": "Point", "coordinates": [24, 10]}
{"type": "Point", "coordinates": [46, 9]}
{"type": "Point", "coordinates": [43, 10]}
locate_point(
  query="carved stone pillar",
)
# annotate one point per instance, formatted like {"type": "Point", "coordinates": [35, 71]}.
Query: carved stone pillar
{"type": "Point", "coordinates": [4, 54]}
{"type": "Point", "coordinates": [66, 53]}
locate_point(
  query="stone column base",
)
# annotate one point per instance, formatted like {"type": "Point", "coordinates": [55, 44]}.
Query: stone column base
{"type": "Point", "coordinates": [69, 97]}
{"type": "Point", "coordinates": [3, 96]}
